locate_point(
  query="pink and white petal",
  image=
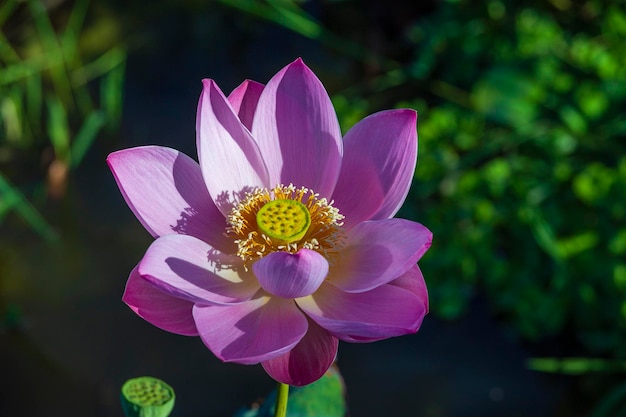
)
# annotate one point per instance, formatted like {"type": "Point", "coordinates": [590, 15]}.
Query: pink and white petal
{"type": "Point", "coordinates": [255, 331]}
{"type": "Point", "coordinates": [244, 99]}
{"type": "Point", "coordinates": [297, 130]}
{"type": "Point", "coordinates": [291, 275]}
{"type": "Point", "coordinates": [158, 308]}
{"type": "Point", "coordinates": [383, 312]}
{"type": "Point", "coordinates": [377, 252]}
{"type": "Point", "coordinates": [229, 158]}
{"type": "Point", "coordinates": [380, 153]}
{"type": "Point", "coordinates": [308, 361]}
{"type": "Point", "coordinates": [188, 268]}
{"type": "Point", "coordinates": [166, 191]}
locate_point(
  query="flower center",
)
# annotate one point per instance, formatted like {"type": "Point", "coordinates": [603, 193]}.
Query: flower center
{"type": "Point", "coordinates": [285, 218]}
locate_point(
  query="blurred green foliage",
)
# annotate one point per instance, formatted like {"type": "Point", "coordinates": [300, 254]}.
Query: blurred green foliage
{"type": "Point", "coordinates": [61, 76]}
{"type": "Point", "coordinates": [522, 176]}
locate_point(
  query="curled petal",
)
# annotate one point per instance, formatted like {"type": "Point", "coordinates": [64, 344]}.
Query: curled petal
{"type": "Point", "coordinates": [291, 275]}
{"type": "Point", "coordinates": [244, 99]}
{"type": "Point", "coordinates": [166, 191]}
{"type": "Point", "coordinates": [297, 130]}
{"type": "Point", "coordinates": [383, 312]}
{"type": "Point", "coordinates": [188, 268]}
{"type": "Point", "coordinates": [378, 252]}
{"type": "Point", "coordinates": [413, 280]}
{"type": "Point", "coordinates": [380, 153]}
{"type": "Point", "coordinates": [158, 308]}
{"type": "Point", "coordinates": [307, 361]}
{"type": "Point", "coordinates": [230, 159]}
{"type": "Point", "coordinates": [255, 331]}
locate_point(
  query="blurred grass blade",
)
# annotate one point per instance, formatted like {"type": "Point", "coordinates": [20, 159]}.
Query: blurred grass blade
{"type": "Point", "coordinates": [58, 129]}
{"type": "Point", "coordinates": [34, 101]}
{"type": "Point", "coordinates": [24, 69]}
{"type": "Point", "coordinates": [69, 38]}
{"type": "Point", "coordinates": [111, 95]}
{"type": "Point", "coordinates": [288, 14]}
{"type": "Point", "coordinates": [575, 366]}
{"type": "Point", "coordinates": [106, 63]}
{"type": "Point", "coordinates": [86, 136]}
{"type": "Point", "coordinates": [12, 199]}
{"type": "Point", "coordinates": [7, 53]}
{"type": "Point", "coordinates": [52, 50]}
{"type": "Point", "coordinates": [293, 17]}
{"type": "Point", "coordinates": [609, 406]}
{"type": "Point", "coordinates": [10, 113]}
{"type": "Point", "coordinates": [6, 9]}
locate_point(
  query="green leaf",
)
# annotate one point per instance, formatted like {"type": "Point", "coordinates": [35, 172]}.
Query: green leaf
{"type": "Point", "coordinates": [323, 398]}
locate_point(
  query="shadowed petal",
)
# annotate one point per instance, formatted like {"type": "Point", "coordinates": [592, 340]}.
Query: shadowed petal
{"type": "Point", "coordinates": [297, 130]}
{"type": "Point", "coordinates": [380, 153]}
{"type": "Point", "coordinates": [230, 159]}
{"type": "Point", "coordinates": [244, 99]}
{"type": "Point", "coordinates": [255, 331]}
{"type": "Point", "coordinates": [188, 268]}
{"type": "Point", "coordinates": [162, 310]}
{"type": "Point", "coordinates": [378, 252]}
{"type": "Point", "coordinates": [383, 312]}
{"type": "Point", "coordinates": [291, 275]}
{"type": "Point", "coordinates": [307, 361]}
{"type": "Point", "coordinates": [165, 190]}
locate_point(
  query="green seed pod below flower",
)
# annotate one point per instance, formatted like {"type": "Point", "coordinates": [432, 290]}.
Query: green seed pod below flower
{"type": "Point", "coordinates": [147, 397]}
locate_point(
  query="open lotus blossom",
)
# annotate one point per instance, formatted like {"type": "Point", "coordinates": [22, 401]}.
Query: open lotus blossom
{"type": "Point", "coordinates": [280, 242]}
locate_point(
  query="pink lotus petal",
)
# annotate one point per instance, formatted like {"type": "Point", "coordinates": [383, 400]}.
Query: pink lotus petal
{"type": "Point", "coordinates": [380, 153]}
{"type": "Point", "coordinates": [162, 310]}
{"type": "Point", "coordinates": [378, 252]}
{"type": "Point", "coordinates": [165, 190]}
{"type": "Point", "coordinates": [291, 275]}
{"type": "Point", "coordinates": [297, 130]}
{"type": "Point", "coordinates": [255, 331]}
{"type": "Point", "coordinates": [188, 268]}
{"type": "Point", "coordinates": [230, 159]}
{"type": "Point", "coordinates": [244, 100]}
{"type": "Point", "coordinates": [308, 361]}
{"type": "Point", "coordinates": [413, 280]}
{"type": "Point", "coordinates": [383, 312]}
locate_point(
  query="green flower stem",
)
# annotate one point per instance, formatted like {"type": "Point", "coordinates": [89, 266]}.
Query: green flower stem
{"type": "Point", "coordinates": [282, 394]}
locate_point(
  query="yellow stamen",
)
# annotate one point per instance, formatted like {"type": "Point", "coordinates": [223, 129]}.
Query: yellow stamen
{"type": "Point", "coordinates": [313, 223]}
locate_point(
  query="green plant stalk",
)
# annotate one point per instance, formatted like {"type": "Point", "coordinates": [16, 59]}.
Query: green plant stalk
{"type": "Point", "coordinates": [282, 395]}
{"type": "Point", "coordinates": [12, 199]}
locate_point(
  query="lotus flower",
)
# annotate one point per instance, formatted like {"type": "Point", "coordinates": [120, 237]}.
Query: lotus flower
{"type": "Point", "coordinates": [280, 242]}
